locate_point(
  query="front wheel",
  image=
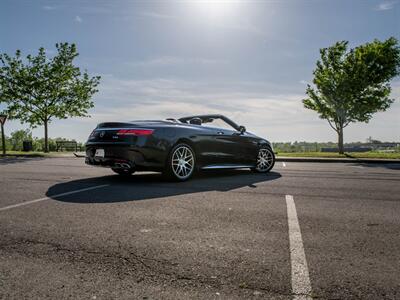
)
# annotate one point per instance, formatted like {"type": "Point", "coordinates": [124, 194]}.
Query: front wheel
{"type": "Point", "coordinates": [181, 163]}
{"type": "Point", "coordinates": [265, 160]}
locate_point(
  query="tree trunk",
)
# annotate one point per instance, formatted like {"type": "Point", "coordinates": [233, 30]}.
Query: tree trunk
{"type": "Point", "coordinates": [3, 140]}
{"type": "Point", "coordinates": [46, 139]}
{"type": "Point", "coordinates": [340, 140]}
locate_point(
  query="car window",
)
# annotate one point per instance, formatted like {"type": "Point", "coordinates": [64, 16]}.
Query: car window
{"type": "Point", "coordinates": [218, 123]}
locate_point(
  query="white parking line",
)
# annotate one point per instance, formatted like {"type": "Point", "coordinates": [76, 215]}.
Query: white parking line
{"type": "Point", "coordinates": [54, 196]}
{"type": "Point", "coordinates": [301, 286]}
{"type": "Point", "coordinates": [283, 164]}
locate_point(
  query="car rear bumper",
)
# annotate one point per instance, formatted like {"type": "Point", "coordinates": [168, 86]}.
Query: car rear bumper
{"type": "Point", "coordinates": [115, 155]}
{"type": "Point", "coordinates": [109, 163]}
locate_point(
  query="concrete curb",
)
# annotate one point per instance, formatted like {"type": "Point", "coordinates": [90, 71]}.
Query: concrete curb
{"type": "Point", "coordinates": [79, 154]}
{"type": "Point", "coordinates": [336, 160]}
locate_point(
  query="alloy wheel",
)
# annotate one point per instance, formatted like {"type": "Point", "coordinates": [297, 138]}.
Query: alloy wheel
{"type": "Point", "coordinates": [265, 160]}
{"type": "Point", "coordinates": [182, 162]}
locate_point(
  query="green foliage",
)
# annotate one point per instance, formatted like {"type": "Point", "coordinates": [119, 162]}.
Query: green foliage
{"type": "Point", "coordinates": [302, 146]}
{"type": "Point", "coordinates": [314, 147]}
{"type": "Point", "coordinates": [371, 154]}
{"type": "Point", "coordinates": [18, 137]}
{"type": "Point", "coordinates": [39, 144]}
{"type": "Point", "coordinates": [8, 144]}
{"type": "Point", "coordinates": [15, 141]}
{"type": "Point", "coordinates": [38, 89]}
{"type": "Point", "coordinates": [351, 86]}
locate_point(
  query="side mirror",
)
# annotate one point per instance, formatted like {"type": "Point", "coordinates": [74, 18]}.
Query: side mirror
{"type": "Point", "coordinates": [242, 129]}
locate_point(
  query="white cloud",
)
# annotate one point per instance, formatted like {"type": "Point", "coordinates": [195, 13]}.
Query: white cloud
{"type": "Point", "coordinates": [50, 51]}
{"type": "Point", "coordinates": [173, 60]}
{"type": "Point", "coordinates": [277, 115]}
{"type": "Point", "coordinates": [49, 7]}
{"type": "Point", "coordinates": [263, 108]}
{"type": "Point", "coordinates": [387, 5]}
{"type": "Point", "coordinates": [236, 24]}
{"type": "Point", "coordinates": [243, 25]}
{"type": "Point", "coordinates": [155, 15]}
{"type": "Point", "coordinates": [78, 19]}
{"type": "Point", "coordinates": [248, 103]}
{"type": "Point", "coordinates": [304, 82]}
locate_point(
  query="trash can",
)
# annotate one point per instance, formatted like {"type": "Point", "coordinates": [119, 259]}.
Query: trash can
{"type": "Point", "coordinates": [27, 146]}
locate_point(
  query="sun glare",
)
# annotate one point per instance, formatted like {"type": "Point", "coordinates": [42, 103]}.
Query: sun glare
{"type": "Point", "coordinates": [216, 8]}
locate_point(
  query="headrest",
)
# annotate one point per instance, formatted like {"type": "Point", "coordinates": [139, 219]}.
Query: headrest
{"type": "Point", "coordinates": [195, 121]}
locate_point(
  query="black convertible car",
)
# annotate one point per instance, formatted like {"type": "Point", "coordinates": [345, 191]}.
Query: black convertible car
{"type": "Point", "coordinates": [178, 147]}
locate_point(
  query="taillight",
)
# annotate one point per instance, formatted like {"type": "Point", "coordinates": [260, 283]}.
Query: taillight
{"type": "Point", "coordinates": [135, 132]}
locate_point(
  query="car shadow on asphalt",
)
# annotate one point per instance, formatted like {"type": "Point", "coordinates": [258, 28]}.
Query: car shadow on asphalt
{"type": "Point", "coordinates": [10, 160]}
{"type": "Point", "coordinates": [142, 186]}
{"type": "Point", "coordinates": [390, 166]}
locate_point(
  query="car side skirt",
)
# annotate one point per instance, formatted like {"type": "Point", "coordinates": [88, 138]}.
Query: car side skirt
{"type": "Point", "coordinates": [212, 167]}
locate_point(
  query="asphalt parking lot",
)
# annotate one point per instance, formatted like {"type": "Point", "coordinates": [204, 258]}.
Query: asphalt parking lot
{"type": "Point", "coordinates": [73, 231]}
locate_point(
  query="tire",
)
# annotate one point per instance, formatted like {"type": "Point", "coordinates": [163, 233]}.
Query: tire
{"type": "Point", "coordinates": [265, 160]}
{"type": "Point", "coordinates": [123, 172]}
{"type": "Point", "coordinates": [181, 163]}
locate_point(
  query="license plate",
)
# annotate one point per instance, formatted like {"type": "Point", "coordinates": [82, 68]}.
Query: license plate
{"type": "Point", "coordinates": [99, 153]}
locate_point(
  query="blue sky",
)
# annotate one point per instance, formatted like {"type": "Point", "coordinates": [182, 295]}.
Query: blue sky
{"type": "Point", "coordinates": [249, 60]}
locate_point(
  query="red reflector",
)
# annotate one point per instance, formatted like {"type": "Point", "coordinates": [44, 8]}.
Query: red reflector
{"type": "Point", "coordinates": [135, 132]}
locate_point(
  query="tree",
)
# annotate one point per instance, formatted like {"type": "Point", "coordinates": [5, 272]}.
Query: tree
{"type": "Point", "coordinates": [38, 89]}
{"type": "Point", "coordinates": [352, 85]}
{"type": "Point", "coordinates": [18, 137]}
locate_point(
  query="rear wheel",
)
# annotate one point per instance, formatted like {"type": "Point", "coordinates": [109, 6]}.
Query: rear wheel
{"type": "Point", "coordinates": [181, 162]}
{"type": "Point", "coordinates": [123, 172]}
{"type": "Point", "coordinates": [265, 160]}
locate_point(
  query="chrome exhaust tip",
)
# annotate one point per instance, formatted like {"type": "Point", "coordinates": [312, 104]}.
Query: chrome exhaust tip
{"type": "Point", "coordinates": [126, 166]}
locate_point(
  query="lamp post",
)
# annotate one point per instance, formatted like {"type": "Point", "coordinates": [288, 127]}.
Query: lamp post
{"type": "Point", "coordinates": [3, 119]}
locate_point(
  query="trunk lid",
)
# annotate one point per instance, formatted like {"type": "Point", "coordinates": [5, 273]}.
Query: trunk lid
{"type": "Point", "coordinates": [118, 132]}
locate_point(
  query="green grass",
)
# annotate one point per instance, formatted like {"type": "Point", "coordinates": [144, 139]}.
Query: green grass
{"type": "Point", "coordinates": [395, 155]}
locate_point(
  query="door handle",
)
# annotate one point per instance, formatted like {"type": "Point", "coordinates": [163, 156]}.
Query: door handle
{"type": "Point", "coordinates": [220, 132]}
